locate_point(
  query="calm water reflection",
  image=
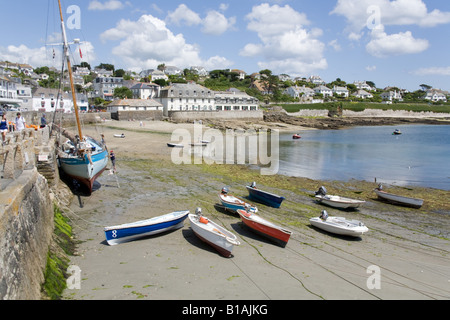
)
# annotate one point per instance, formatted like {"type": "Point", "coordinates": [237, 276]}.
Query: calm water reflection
{"type": "Point", "coordinates": [420, 156]}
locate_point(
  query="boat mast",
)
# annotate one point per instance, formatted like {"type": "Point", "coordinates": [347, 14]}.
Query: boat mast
{"type": "Point", "coordinates": [69, 67]}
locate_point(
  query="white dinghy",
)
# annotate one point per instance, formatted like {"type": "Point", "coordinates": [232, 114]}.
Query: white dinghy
{"type": "Point", "coordinates": [336, 201]}
{"type": "Point", "coordinates": [339, 225]}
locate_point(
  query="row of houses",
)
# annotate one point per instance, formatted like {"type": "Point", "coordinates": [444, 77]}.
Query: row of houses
{"type": "Point", "coordinates": [184, 97]}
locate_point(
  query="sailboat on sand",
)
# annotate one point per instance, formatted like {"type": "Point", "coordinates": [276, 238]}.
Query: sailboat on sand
{"type": "Point", "coordinates": [81, 157]}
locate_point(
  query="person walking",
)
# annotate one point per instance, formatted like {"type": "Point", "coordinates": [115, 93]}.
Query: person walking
{"type": "Point", "coordinates": [4, 128]}
{"type": "Point", "coordinates": [20, 122]}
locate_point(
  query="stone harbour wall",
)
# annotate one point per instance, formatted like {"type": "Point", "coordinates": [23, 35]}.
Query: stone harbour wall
{"type": "Point", "coordinates": [26, 227]}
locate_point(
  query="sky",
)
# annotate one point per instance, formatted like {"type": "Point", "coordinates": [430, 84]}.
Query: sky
{"type": "Point", "coordinates": [401, 43]}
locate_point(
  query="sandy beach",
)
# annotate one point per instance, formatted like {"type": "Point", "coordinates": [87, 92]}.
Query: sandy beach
{"type": "Point", "coordinates": [409, 247]}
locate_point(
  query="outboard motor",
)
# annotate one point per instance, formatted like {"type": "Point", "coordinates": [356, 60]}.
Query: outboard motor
{"type": "Point", "coordinates": [224, 190]}
{"type": "Point", "coordinates": [253, 185]}
{"type": "Point", "coordinates": [324, 215]}
{"type": "Point", "coordinates": [198, 211]}
{"type": "Point", "coordinates": [380, 186]}
{"type": "Point", "coordinates": [322, 191]}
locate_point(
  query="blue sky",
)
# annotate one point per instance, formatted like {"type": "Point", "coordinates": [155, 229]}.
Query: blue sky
{"type": "Point", "coordinates": [390, 42]}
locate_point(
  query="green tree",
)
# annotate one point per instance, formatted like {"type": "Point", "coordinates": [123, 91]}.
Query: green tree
{"type": "Point", "coordinates": [122, 93]}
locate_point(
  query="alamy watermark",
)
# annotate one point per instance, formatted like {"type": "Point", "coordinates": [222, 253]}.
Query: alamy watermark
{"type": "Point", "coordinates": [73, 281]}
{"type": "Point", "coordinates": [374, 280]}
{"type": "Point", "coordinates": [74, 18]}
{"type": "Point", "coordinates": [213, 146]}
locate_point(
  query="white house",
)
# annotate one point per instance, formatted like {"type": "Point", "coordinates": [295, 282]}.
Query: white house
{"type": "Point", "coordinates": [8, 91]}
{"type": "Point", "coordinates": [298, 92]}
{"type": "Point", "coordinates": [24, 93]}
{"type": "Point", "coordinates": [362, 94]}
{"type": "Point", "coordinates": [326, 92]}
{"type": "Point", "coordinates": [435, 95]}
{"type": "Point", "coordinates": [134, 105]}
{"type": "Point", "coordinates": [362, 85]}
{"type": "Point", "coordinates": [234, 99]}
{"type": "Point", "coordinates": [201, 71]}
{"type": "Point", "coordinates": [47, 100]}
{"type": "Point", "coordinates": [173, 71]}
{"type": "Point", "coordinates": [391, 95]}
{"type": "Point", "coordinates": [241, 73]}
{"type": "Point", "coordinates": [340, 91]}
{"type": "Point", "coordinates": [186, 97]}
{"type": "Point", "coordinates": [145, 90]}
{"type": "Point", "coordinates": [317, 80]}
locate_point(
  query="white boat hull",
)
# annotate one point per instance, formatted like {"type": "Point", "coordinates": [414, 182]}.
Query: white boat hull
{"type": "Point", "coordinates": [211, 233]}
{"type": "Point", "coordinates": [400, 200]}
{"type": "Point", "coordinates": [139, 229]}
{"type": "Point", "coordinates": [340, 226]}
{"type": "Point", "coordinates": [339, 202]}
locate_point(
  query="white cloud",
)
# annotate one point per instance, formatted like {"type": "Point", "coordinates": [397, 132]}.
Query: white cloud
{"type": "Point", "coordinates": [335, 45]}
{"type": "Point", "coordinates": [108, 5]}
{"type": "Point", "coordinates": [183, 16]}
{"type": "Point", "coordinates": [147, 42]}
{"type": "Point", "coordinates": [38, 57]}
{"type": "Point", "coordinates": [359, 13]}
{"type": "Point", "coordinates": [286, 46]}
{"type": "Point", "coordinates": [371, 68]}
{"type": "Point", "coordinates": [433, 71]}
{"type": "Point", "coordinates": [383, 45]}
{"type": "Point", "coordinates": [216, 23]}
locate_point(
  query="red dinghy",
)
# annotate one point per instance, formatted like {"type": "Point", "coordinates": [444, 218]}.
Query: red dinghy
{"type": "Point", "coordinates": [296, 136]}
{"type": "Point", "coordinates": [265, 228]}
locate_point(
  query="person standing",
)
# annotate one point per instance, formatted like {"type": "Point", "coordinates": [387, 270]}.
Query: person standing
{"type": "Point", "coordinates": [20, 122]}
{"type": "Point", "coordinates": [112, 156]}
{"type": "Point", "coordinates": [43, 121]}
{"type": "Point", "coordinates": [4, 128]}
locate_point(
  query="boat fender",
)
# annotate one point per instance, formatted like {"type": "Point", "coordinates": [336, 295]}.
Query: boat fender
{"type": "Point", "coordinates": [203, 220]}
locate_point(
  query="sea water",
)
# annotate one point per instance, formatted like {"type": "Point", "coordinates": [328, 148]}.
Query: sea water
{"type": "Point", "coordinates": [420, 156]}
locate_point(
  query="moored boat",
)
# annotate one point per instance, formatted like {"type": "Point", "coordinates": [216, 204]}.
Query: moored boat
{"type": "Point", "coordinates": [139, 229]}
{"type": "Point", "coordinates": [88, 158]}
{"type": "Point", "coordinates": [339, 225]}
{"type": "Point", "coordinates": [397, 199]}
{"type": "Point", "coordinates": [265, 197]}
{"type": "Point", "coordinates": [296, 136]}
{"type": "Point", "coordinates": [265, 228]}
{"type": "Point", "coordinates": [119, 135]}
{"type": "Point", "coordinates": [175, 145]}
{"type": "Point", "coordinates": [211, 233]}
{"type": "Point", "coordinates": [336, 201]}
{"type": "Point", "coordinates": [233, 203]}
{"type": "Point", "coordinates": [396, 132]}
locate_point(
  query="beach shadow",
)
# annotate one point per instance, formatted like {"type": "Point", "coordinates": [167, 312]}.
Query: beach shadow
{"type": "Point", "coordinates": [340, 209]}
{"type": "Point", "coordinates": [190, 237]}
{"type": "Point", "coordinates": [220, 208]}
{"type": "Point", "coordinates": [245, 231]}
{"type": "Point", "coordinates": [334, 235]}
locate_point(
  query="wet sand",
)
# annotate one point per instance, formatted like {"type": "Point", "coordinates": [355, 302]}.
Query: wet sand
{"type": "Point", "coordinates": [410, 246]}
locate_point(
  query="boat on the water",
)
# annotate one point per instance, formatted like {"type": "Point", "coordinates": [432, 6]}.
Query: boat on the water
{"type": "Point", "coordinates": [233, 203]}
{"type": "Point", "coordinates": [211, 233]}
{"type": "Point", "coordinates": [83, 158]}
{"type": "Point", "coordinates": [339, 225]}
{"type": "Point", "coordinates": [265, 197]}
{"type": "Point", "coordinates": [139, 229]}
{"type": "Point", "coordinates": [397, 199]}
{"type": "Point", "coordinates": [336, 201]}
{"type": "Point", "coordinates": [175, 145]}
{"type": "Point", "coordinates": [296, 136]}
{"type": "Point", "coordinates": [265, 228]}
{"type": "Point", "coordinates": [396, 132]}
